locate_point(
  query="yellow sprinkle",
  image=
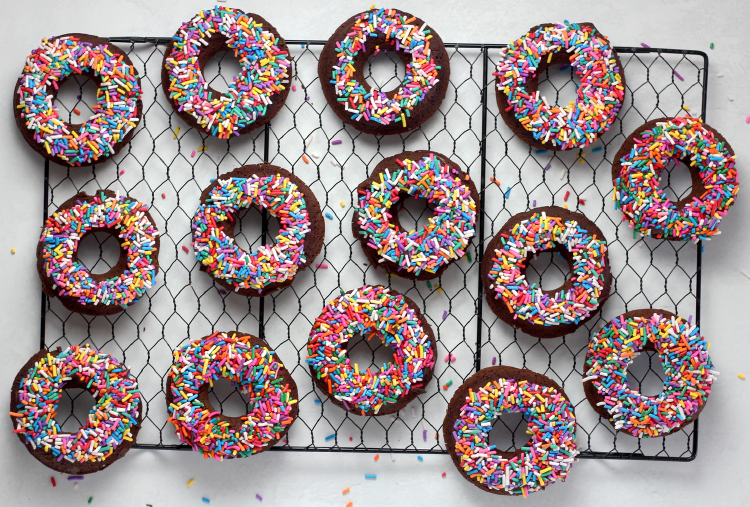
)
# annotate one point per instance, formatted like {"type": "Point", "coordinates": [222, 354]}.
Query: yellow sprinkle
{"type": "Point", "coordinates": [12, 250]}
{"type": "Point", "coordinates": [343, 205]}
{"type": "Point", "coordinates": [440, 290]}
{"type": "Point", "coordinates": [176, 132]}
{"type": "Point", "coordinates": [686, 108]}
{"type": "Point", "coordinates": [372, 6]}
{"type": "Point", "coordinates": [565, 206]}
{"type": "Point", "coordinates": [740, 375]}
{"type": "Point", "coordinates": [708, 346]}
{"type": "Point", "coordinates": [190, 482]}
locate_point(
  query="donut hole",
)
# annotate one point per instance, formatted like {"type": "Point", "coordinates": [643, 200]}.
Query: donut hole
{"type": "Point", "coordinates": [99, 251]}
{"type": "Point", "coordinates": [73, 409]}
{"type": "Point", "coordinates": [548, 270]}
{"type": "Point", "coordinates": [221, 70]}
{"type": "Point", "coordinates": [509, 432]}
{"type": "Point", "coordinates": [413, 213]}
{"type": "Point", "coordinates": [384, 71]}
{"type": "Point", "coordinates": [248, 229]}
{"type": "Point", "coordinates": [558, 82]}
{"type": "Point", "coordinates": [368, 354]}
{"type": "Point", "coordinates": [228, 399]}
{"type": "Point", "coordinates": [676, 181]}
{"type": "Point", "coordinates": [646, 373]}
{"type": "Point", "coordinates": [76, 93]}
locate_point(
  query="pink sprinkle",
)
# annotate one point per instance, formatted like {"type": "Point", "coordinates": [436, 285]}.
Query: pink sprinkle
{"type": "Point", "coordinates": [260, 498]}
{"type": "Point", "coordinates": [747, 120]}
{"type": "Point", "coordinates": [294, 88]}
{"type": "Point", "coordinates": [677, 74]}
{"type": "Point", "coordinates": [185, 248]}
{"type": "Point", "coordinates": [450, 357]}
{"type": "Point", "coordinates": [645, 45]}
{"type": "Point", "coordinates": [193, 154]}
{"type": "Point", "coordinates": [336, 141]}
{"type": "Point", "coordinates": [322, 266]}
{"type": "Point", "coordinates": [122, 172]}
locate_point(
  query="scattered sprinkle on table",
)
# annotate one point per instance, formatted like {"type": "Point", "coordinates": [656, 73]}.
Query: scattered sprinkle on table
{"type": "Point", "coordinates": [720, 74]}
{"type": "Point", "coordinates": [712, 45]}
{"type": "Point", "coordinates": [307, 160]}
{"type": "Point", "coordinates": [331, 437]}
{"type": "Point", "coordinates": [445, 314]}
{"type": "Point", "coordinates": [176, 133]}
{"type": "Point", "coordinates": [122, 172]}
{"type": "Point", "coordinates": [420, 458]}
{"type": "Point", "coordinates": [76, 111]}
{"type": "Point", "coordinates": [190, 482]}
{"type": "Point", "coordinates": [747, 120]}
{"type": "Point", "coordinates": [581, 202]}
{"type": "Point", "coordinates": [321, 265]}
{"type": "Point", "coordinates": [75, 478]}
{"type": "Point", "coordinates": [598, 148]}
{"type": "Point", "coordinates": [740, 375]}
{"type": "Point", "coordinates": [334, 163]}
{"type": "Point", "coordinates": [54, 484]}
{"type": "Point", "coordinates": [345, 491]}
{"type": "Point", "coordinates": [678, 76]}
{"type": "Point", "coordinates": [730, 98]}
{"type": "Point", "coordinates": [541, 152]}
{"type": "Point", "coordinates": [686, 108]}
{"type": "Point", "coordinates": [294, 88]}
{"type": "Point", "coordinates": [747, 275]}
{"type": "Point", "coordinates": [260, 498]}
{"type": "Point", "coordinates": [429, 285]}
{"type": "Point", "coordinates": [567, 194]}
{"type": "Point", "coordinates": [440, 291]}
{"type": "Point", "coordinates": [185, 248]}
{"type": "Point", "coordinates": [494, 360]}
{"type": "Point", "coordinates": [91, 499]}
{"type": "Point", "coordinates": [547, 167]}
{"type": "Point", "coordinates": [336, 141]}
{"type": "Point", "coordinates": [507, 192]}
{"type": "Point", "coordinates": [443, 474]}
{"type": "Point", "coordinates": [447, 385]}
{"type": "Point", "coordinates": [377, 457]}
{"type": "Point", "coordinates": [413, 410]}
{"type": "Point", "coordinates": [163, 196]}
{"type": "Point", "coordinates": [309, 139]}
{"type": "Point", "coordinates": [562, 173]}
{"type": "Point", "coordinates": [645, 45]}
{"type": "Point", "coordinates": [192, 155]}
{"type": "Point", "coordinates": [343, 204]}
{"type": "Point", "coordinates": [205, 500]}
{"type": "Point", "coordinates": [13, 251]}
{"type": "Point", "coordinates": [350, 504]}
{"type": "Point", "coordinates": [329, 216]}
{"type": "Point", "coordinates": [533, 205]}
{"type": "Point", "coordinates": [468, 256]}
{"type": "Point", "coordinates": [371, 476]}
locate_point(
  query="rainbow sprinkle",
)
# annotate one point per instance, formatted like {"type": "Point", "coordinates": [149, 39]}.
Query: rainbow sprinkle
{"type": "Point", "coordinates": [528, 301]}
{"type": "Point", "coordinates": [249, 366]}
{"type": "Point", "coordinates": [63, 232]}
{"type": "Point", "coordinates": [546, 458]}
{"type": "Point", "coordinates": [110, 421]}
{"type": "Point", "coordinates": [687, 366]}
{"type": "Point", "coordinates": [372, 311]}
{"type": "Point", "coordinates": [421, 72]}
{"type": "Point", "coordinates": [264, 62]}
{"type": "Point", "coordinates": [271, 264]}
{"type": "Point", "coordinates": [600, 93]}
{"type": "Point", "coordinates": [637, 191]}
{"type": "Point", "coordinates": [116, 111]}
{"type": "Point", "coordinates": [449, 230]}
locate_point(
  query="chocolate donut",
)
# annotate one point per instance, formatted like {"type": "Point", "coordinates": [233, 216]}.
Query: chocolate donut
{"type": "Point", "coordinates": [422, 90]}
{"type": "Point", "coordinates": [250, 364]}
{"type": "Point", "coordinates": [600, 94]}
{"type": "Point", "coordinates": [547, 313]}
{"type": "Point", "coordinates": [546, 458]}
{"type": "Point", "coordinates": [255, 96]}
{"type": "Point", "coordinates": [683, 353]}
{"type": "Point", "coordinates": [274, 266]}
{"type": "Point", "coordinates": [380, 313]}
{"type": "Point", "coordinates": [116, 113]}
{"type": "Point", "coordinates": [636, 174]}
{"type": "Point", "coordinates": [65, 277]}
{"type": "Point", "coordinates": [419, 254]}
{"type": "Point", "coordinates": [111, 427]}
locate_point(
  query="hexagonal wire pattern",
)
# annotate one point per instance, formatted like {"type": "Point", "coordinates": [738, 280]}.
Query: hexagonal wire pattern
{"type": "Point", "coordinates": [167, 164]}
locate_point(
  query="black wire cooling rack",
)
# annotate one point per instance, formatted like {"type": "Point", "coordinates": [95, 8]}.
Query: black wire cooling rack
{"type": "Point", "coordinates": [167, 164]}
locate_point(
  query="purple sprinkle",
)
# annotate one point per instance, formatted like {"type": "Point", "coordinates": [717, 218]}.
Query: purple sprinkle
{"type": "Point", "coordinates": [678, 75]}
{"type": "Point", "coordinates": [534, 204]}
{"type": "Point", "coordinates": [424, 435]}
{"type": "Point", "coordinates": [548, 166]}
{"type": "Point", "coordinates": [336, 141]}
{"type": "Point", "coordinates": [445, 314]}
{"type": "Point", "coordinates": [222, 292]}
{"type": "Point", "coordinates": [690, 319]}
{"type": "Point", "coordinates": [494, 360]}
{"type": "Point", "coordinates": [645, 45]}
{"type": "Point", "coordinates": [307, 98]}
{"type": "Point", "coordinates": [75, 478]}
{"type": "Point", "coordinates": [79, 97]}
{"type": "Point", "coordinates": [260, 498]}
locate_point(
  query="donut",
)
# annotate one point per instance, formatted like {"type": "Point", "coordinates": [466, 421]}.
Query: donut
{"type": "Point", "coordinates": [647, 152]}
{"type": "Point", "coordinates": [684, 355]}
{"type": "Point", "coordinates": [486, 395]}
{"type": "Point", "coordinates": [112, 424]}
{"type": "Point", "coordinates": [255, 96]}
{"type": "Point", "coordinates": [528, 307]}
{"type": "Point", "coordinates": [273, 266]}
{"type": "Point", "coordinates": [117, 111]}
{"type": "Point", "coordinates": [600, 94]}
{"type": "Point", "coordinates": [250, 364]}
{"type": "Point", "coordinates": [422, 90]}
{"type": "Point", "coordinates": [426, 253]}
{"type": "Point", "coordinates": [374, 312]}
{"type": "Point", "coordinates": [64, 276]}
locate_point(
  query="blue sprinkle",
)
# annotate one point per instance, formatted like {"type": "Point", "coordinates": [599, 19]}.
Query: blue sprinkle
{"type": "Point", "coordinates": [205, 500]}
{"type": "Point", "coordinates": [564, 67]}
{"type": "Point", "coordinates": [330, 437]}
{"type": "Point", "coordinates": [371, 476]}
{"type": "Point", "coordinates": [540, 152]}
{"type": "Point", "coordinates": [597, 149]}
{"type": "Point", "coordinates": [318, 401]}
{"type": "Point", "coordinates": [507, 193]}
{"type": "Point", "coordinates": [420, 458]}
{"type": "Point", "coordinates": [329, 216]}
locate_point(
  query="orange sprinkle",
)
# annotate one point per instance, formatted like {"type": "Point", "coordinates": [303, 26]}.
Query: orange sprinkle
{"type": "Point", "coordinates": [345, 491]}
{"type": "Point", "coordinates": [307, 160]}
{"type": "Point", "coordinates": [350, 504]}
{"type": "Point", "coordinates": [76, 111]}
{"type": "Point", "coordinates": [377, 456]}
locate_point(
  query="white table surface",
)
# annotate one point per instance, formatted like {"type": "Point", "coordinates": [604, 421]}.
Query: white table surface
{"type": "Point", "coordinates": [287, 478]}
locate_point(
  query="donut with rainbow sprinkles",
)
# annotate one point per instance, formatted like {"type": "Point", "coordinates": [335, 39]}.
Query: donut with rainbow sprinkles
{"type": "Point", "coordinates": [254, 97]}
{"type": "Point", "coordinates": [683, 353]}
{"type": "Point", "coordinates": [374, 111]}
{"type": "Point", "coordinates": [600, 93]}
{"type": "Point", "coordinates": [383, 314]}
{"type": "Point", "coordinates": [637, 172]}
{"type": "Point", "coordinates": [488, 394]}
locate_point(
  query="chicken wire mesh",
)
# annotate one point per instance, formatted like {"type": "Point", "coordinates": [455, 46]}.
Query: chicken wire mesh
{"type": "Point", "coordinates": [167, 164]}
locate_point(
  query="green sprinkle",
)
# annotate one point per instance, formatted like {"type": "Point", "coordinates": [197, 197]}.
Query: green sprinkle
{"type": "Point", "coordinates": [712, 45]}
{"type": "Point", "coordinates": [91, 498]}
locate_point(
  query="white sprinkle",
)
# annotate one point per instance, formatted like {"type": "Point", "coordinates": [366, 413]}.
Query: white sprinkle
{"type": "Point", "coordinates": [730, 98]}
{"type": "Point", "coordinates": [309, 139]}
{"type": "Point", "coordinates": [314, 155]}
{"type": "Point", "coordinates": [413, 413]}
{"type": "Point", "coordinates": [334, 163]}
{"type": "Point", "coordinates": [562, 173]}
{"type": "Point", "coordinates": [720, 74]}
{"type": "Point", "coordinates": [393, 458]}
{"type": "Point", "coordinates": [747, 275]}
{"type": "Point", "coordinates": [641, 243]}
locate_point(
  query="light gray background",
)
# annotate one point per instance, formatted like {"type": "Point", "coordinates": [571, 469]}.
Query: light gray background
{"type": "Point", "coordinates": [285, 478]}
